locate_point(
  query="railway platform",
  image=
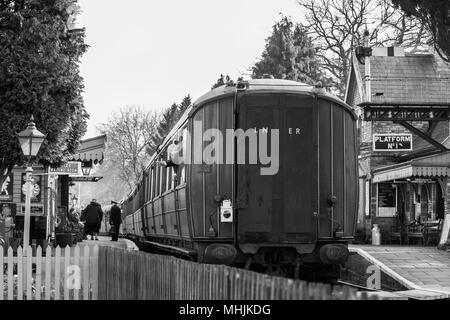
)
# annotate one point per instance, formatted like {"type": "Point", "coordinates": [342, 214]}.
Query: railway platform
{"type": "Point", "coordinates": [414, 272]}
{"type": "Point", "coordinates": [106, 241]}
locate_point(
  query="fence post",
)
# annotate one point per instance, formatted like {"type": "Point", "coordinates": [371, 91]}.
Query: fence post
{"type": "Point", "coordinates": [38, 272]}
{"type": "Point", "coordinates": [29, 275]}
{"type": "Point", "coordinates": [95, 275]}
{"type": "Point", "coordinates": [57, 272]}
{"type": "Point", "coordinates": [76, 262]}
{"type": "Point", "coordinates": [101, 276]}
{"type": "Point", "coordinates": [66, 268]}
{"type": "Point", "coordinates": [20, 273]}
{"type": "Point", "coordinates": [48, 272]}
{"type": "Point", "coordinates": [85, 273]}
{"type": "Point", "coordinates": [10, 274]}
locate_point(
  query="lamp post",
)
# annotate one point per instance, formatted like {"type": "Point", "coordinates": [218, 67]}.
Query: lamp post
{"type": "Point", "coordinates": [30, 140]}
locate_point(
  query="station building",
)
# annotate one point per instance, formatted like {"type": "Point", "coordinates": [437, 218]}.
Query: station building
{"type": "Point", "coordinates": [410, 181]}
{"type": "Point", "coordinates": [50, 200]}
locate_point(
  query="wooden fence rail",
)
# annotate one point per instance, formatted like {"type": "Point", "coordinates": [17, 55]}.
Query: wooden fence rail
{"type": "Point", "coordinates": [134, 275]}
{"type": "Point", "coordinates": [68, 273]}
{"type": "Point", "coordinates": [89, 273]}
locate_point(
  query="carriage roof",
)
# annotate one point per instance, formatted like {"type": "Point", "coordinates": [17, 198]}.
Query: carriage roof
{"type": "Point", "coordinates": [268, 85]}
{"type": "Point", "coordinates": [252, 85]}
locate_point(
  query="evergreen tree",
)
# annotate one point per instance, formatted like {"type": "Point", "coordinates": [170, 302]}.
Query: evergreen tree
{"type": "Point", "coordinates": [168, 119]}
{"type": "Point", "coordinates": [289, 54]}
{"type": "Point", "coordinates": [39, 75]}
{"type": "Point", "coordinates": [435, 15]}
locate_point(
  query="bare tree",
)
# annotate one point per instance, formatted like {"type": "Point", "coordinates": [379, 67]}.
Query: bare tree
{"type": "Point", "coordinates": [129, 133]}
{"type": "Point", "coordinates": [336, 27]}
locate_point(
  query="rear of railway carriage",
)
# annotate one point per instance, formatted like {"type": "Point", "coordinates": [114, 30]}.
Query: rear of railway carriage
{"type": "Point", "coordinates": [296, 218]}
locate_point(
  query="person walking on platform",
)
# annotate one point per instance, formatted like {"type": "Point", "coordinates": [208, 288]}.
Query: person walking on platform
{"type": "Point", "coordinates": [115, 220]}
{"type": "Point", "coordinates": [93, 215]}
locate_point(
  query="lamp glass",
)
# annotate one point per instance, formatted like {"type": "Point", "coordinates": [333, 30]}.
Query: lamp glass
{"type": "Point", "coordinates": [86, 170]}
{"type": "Point", "coordinates": [25, 143]}
{"type": "Point", "coordinates": [36, 143]}
{"type": "Point", "coordinates": [31, 140]}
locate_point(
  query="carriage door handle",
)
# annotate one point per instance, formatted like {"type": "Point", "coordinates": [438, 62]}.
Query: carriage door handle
{"type": "Point", "coordinates": [332, 199]}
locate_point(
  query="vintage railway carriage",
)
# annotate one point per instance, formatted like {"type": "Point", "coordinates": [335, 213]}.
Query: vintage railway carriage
{"type": "Point", "coordinates": [300, 213]}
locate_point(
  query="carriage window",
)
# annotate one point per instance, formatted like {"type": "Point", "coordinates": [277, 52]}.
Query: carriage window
{"type": "Point", "coordinates": [163, 179]}
{"type": "Point", "coordinates": [157, 179]}
{"type": "Point", "coordinates": [169, 178]}
{"type": "Point", "coordinates": [149, 185]}
{"type": "Point", "coordinates": [152, 183]}
{"type": "Point", "coordinates": [182, 168]}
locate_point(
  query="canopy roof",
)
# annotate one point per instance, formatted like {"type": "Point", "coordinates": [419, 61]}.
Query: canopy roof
{"type": "Point", "coordinates": [436, 166]}
{"type": "Point", "coordinates": [91, 149]}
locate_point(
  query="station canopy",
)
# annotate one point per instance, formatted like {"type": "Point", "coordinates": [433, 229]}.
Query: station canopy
{"type": "Point", "coordinates": [90, 152]}
{"type": "Point", "coordinates": [91, 149]}
{"type": "Point", "coordinates": [437, 166]}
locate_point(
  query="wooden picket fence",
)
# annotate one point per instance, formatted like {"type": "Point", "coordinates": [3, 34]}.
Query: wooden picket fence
{"type": "Point", "coordinates": [110, 273]}
{"type": "Point", "coordinates": [136, 275]}
{"type": "Point", "coordinates": [68, 273]}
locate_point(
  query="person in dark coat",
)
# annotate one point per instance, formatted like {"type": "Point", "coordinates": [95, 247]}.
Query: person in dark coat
{"type": "Point", "coordinates": [115, 220]}
{"type": "Point", "coordinates": [93, 215]}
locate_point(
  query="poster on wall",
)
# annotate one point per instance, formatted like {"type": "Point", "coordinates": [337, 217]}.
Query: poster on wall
{"type": "Point", "coordinates": [6, 190]}
{"type": "Point", "coordinates": [386, 200]}
{"type": "Point", "coordinates": [7, 218]}
{"type": "Point", "coordinates": [36, 188]}
{"type": "Point", "coordinates": [7, 210]}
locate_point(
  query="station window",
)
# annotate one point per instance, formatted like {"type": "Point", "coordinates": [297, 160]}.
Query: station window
{"type": "Point", "coordinates": [386, 200]}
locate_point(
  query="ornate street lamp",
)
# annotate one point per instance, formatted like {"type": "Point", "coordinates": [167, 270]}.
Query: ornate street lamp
{"type": "Point", "coordinates": [86, 167]}
{"type": "Point", "coordinates": [30, 140]}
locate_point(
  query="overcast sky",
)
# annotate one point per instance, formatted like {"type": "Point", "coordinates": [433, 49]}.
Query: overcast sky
{"type": "Point", "coordinates": [152, 53]}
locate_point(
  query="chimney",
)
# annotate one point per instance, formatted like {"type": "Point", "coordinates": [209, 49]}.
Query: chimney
{"type": "Point", "coordinates": [388, 52]}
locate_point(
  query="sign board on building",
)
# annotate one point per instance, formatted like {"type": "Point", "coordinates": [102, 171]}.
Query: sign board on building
{"type": "Point", "coordinates": [71, 168]}
{"type": "Point", "coordinates": [35, 210]}
{"type": "Point", "coordinates": [422, 180]}
{"type": "Point", "coordinates": [392, 142]}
